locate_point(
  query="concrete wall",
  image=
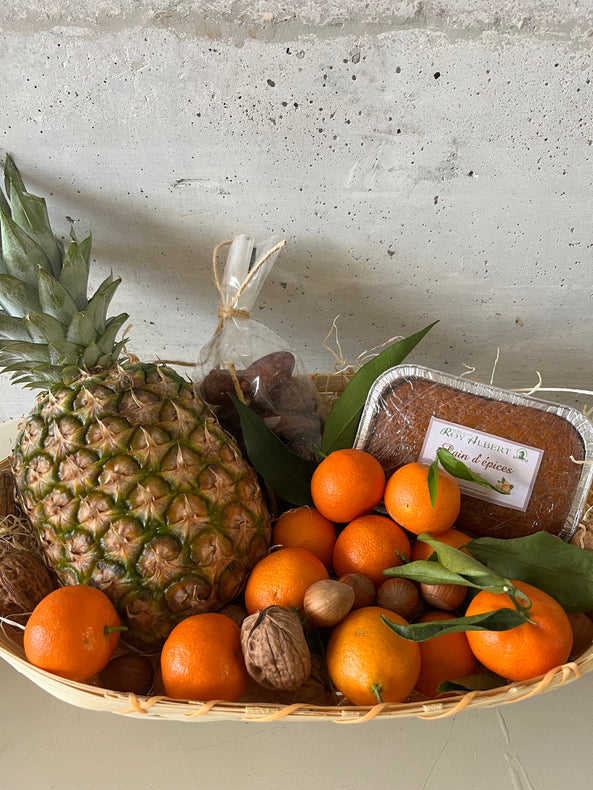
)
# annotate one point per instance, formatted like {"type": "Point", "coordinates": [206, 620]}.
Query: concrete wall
{"type": "Point", "coordinates": [423, 159]}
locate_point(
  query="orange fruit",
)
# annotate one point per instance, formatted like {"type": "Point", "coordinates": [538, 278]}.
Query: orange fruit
{"type": "Point", "coordinates": [72, 632]}
{"type": "Point", "coordinates": [282, 578]}
{"type": "Point", "coordinates": [528, 650]}
{"type": "Point", "coordinates": [202, 659]}
{"type": "Point", "coordinates": [452, 537]}
{"type": "Point", "coordinates": [346, 484]}
{"type": "Point", "coordinates": [368, 545]}
{"type": "Point", "coordinates": [305, 528]}
{"type": "Point", "coordinates": [446, 657]}
{"type": "Point", "coordinates": [370, 663]}
{"type": "Point", "coordinates": [407, 500]}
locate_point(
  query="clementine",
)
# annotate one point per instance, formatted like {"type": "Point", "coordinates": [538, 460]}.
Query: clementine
{"type": "Point", "coordinates": [446, 657]}
{"type": "Point", "coordinates": [346, 484]}
{"type": "Point", "coordinates": [528, 650]}
{"type": "Point", "coordinates": [202, 659]}
{"type": "Point", "coordinates": [368, 662]}
{"type": "Point", "coordinates": [72, 632]}
{"type": "Point", "coordinates": [407, 500]}
{"type": "Point", "coordinates": [282, 578]}
{"type": "Point", "coordinates": [305, 528]}
{"type": "Point", "coordinates": [369, 545]}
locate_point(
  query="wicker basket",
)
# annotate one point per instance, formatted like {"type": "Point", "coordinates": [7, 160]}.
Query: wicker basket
{"type": "Point", "coordinates": [93, 697]}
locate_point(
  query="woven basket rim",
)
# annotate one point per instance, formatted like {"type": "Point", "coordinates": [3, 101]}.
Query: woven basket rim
{"type": "Point", "coordinates": [160, 707]}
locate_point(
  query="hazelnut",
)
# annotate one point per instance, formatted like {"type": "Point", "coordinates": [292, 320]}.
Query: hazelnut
{"type": "Point", "coordinates": [443, 596]}
{"type": "Point", "coordinates": [582, 631]}
{"type": "Point", "coordinates": [400, 596]}
{"type": "Point", "coordinates": [327, 602]}
{"type": "Point", "coordinates": [128, 672]}
{"type": "Point", "coordinates": [364, 589]}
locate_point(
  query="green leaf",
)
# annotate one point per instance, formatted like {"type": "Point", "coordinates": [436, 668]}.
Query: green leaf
{"type": "Point", "coordinates": [26, 352]}
{"type": "Point", "coordinates": [433, 481]}
{"type": "Point", "coordinates": [44, 328]}
{"type": "Point", "coordinates": [562, 570]}
{"type": "Point", "coordinates": [342, 422]}
{"type": "Point", "coordinates": [99, 303]}
{"type": "Point", "coordinates": [75, 274]}
{"type": "Point", "coordinates": [458, 469]}
{"type": "Point", "coordinates": [13, 328]}
{"type": "Point", "coordinates": [468, 567]}
{"type": "Point", "coordinates": [498, 620]}
{"type": "Point", "coordinates": [287, 474]}
{"type": "Point", "coordinates": [63, 353]}
{"type": "Point", "coordinates": [107, 340]}
{"type": "Point", "coordinates": [41, 376]}
{"type": "Point", "coordinates": [55, 299]}
{"type": "Point", "coordinates": [81, 330]}
{"type": "Point", "coordinates": [480, 681]}
{"type": "Point", "coordinates": [16, 297]}
{"type": "Point", "coordinates": [84, 247]}
{"type": "Point", "coordinates": [30, 213]}
{"type": "Point", "coordinates": [12, 177]}
{"type": "Point", "coordinates": [427, 572]}
{"type": "Point", "coordinates": [91, 356]}
{"type": "Point", "coordinates": [4, 206]}
{"type": "Point", "coordinates": [22, 256]}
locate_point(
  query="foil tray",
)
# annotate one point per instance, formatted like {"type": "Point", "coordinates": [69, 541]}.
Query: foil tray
{"type": "Point", "coordinates": [386, 429]}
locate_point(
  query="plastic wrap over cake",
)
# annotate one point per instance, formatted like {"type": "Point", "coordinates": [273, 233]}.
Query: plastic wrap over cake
{"type": "Point", "coordinates": [536, 453]}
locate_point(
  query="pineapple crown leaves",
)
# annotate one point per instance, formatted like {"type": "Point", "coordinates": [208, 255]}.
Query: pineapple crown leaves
{"type": "Point", "coordinates": [50, 330]}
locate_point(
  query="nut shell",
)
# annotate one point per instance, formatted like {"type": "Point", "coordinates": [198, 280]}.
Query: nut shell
{"type": "Point", "coordinates": [447, 597]}
{"type": "Point", "coordinates": [24, 581]}
{"type": "Point", "coordinates": [275, 649]}
{"type": "Point", "coordinates": [128, 672]}
{"type": "Point", "coordinates": [364, 589]}
{"type": "Point", "coordinates": [327, 602]}
{"type": "Point", "coordinates": [400, 596]}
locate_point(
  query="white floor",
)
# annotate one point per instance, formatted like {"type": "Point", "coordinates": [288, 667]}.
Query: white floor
{"type": "Point", "coordinates": [543, 743]}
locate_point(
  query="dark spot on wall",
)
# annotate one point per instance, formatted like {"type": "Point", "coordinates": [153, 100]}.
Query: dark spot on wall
{"type": "Point", "coordinates": [271, 83]}
{"type": "Point", "coordinates": [437, 74]}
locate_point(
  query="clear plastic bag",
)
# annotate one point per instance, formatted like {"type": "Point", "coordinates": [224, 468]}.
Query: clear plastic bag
{"type": "Point", "coordinates": [249, 359]}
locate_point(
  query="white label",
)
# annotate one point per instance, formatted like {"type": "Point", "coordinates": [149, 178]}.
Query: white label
{"type": "Point", "coordinates": [507, 465]}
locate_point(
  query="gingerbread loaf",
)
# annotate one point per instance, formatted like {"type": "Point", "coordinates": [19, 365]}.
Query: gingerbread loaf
{"type": "Point", "coordinates": [411, 409]}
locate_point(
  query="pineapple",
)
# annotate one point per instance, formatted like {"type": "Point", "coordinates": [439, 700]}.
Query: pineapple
{"type": "Point", "coordinates": [127, 477]}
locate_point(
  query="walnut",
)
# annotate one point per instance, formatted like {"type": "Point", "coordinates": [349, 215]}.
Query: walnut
{"type": "Point", "coordinates": [24, 581]}
{"type": "Point", "coordinates": [314, 691]}
{"type": "Point", "coordinates": [275, 649]}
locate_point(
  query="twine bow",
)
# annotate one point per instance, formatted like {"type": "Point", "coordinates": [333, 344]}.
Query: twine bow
{"type": "Point", "coordinates": [231, 310]}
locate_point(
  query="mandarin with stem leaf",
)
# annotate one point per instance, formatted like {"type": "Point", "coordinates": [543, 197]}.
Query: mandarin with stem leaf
{"type": "Point", "coordinates": [407, 500]}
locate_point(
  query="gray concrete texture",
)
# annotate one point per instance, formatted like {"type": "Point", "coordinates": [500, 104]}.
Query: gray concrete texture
{"type": "Point", "coordinates": [423, 161]}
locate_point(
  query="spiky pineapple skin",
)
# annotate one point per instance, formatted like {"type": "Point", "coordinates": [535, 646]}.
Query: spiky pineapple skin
{"type": "Point", "coordinates": [133, 487]}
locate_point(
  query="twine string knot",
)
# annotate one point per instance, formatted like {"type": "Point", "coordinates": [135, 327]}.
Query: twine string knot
{"type": "Point", "coordinates": [231, 310]}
